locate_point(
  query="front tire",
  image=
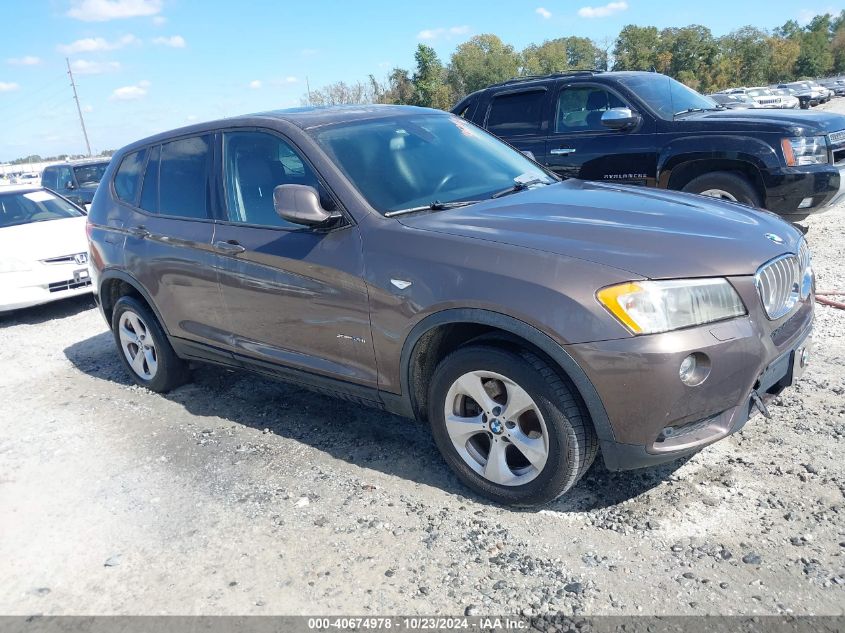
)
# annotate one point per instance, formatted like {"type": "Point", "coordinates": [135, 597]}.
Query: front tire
{"type": "Point", "coordinates": [144, 349]}
{"type": "Point", "coordinates": [511, 428]}
{"type": "Point", "coordinates": [725, 185]}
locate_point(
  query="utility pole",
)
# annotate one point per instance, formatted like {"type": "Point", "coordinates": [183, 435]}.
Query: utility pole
{"type": "Point", "coordinates": [308, 88]}
{"type": "Point", "coordinates": [78, 108]}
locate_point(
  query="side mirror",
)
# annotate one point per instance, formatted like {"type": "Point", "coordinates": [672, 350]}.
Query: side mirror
{"type": "Point", "coordinates": [530, 154]}
{"type": "Point", "coordinates": [299, 204]}
{"type": "Point", "coordinates": [619, 118]}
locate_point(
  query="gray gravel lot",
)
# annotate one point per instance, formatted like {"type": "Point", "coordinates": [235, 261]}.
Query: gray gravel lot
{"type": "Point", "coordinates": [236, 495]}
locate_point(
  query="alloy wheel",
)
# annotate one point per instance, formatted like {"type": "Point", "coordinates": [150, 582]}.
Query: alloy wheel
{"type": "Point", "coordinates": [497, 428]}
{"type": "Point", "coordinates": [138, 345]}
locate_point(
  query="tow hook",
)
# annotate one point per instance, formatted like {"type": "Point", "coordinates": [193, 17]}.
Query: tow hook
{"type": "Point", "coordinates": [758, 402]}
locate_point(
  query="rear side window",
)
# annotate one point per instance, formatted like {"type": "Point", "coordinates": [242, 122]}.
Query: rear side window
{"type": "Point", "coordinates": [149, 194]}
{"type": "Point", "coordinates": [127, 180]}
{"type": "Point", "coordinates": [183, 178]}
{"type": "Point", "coordinates": [516, 113]}
{"type": "Point", "coordinates": [50, 178]}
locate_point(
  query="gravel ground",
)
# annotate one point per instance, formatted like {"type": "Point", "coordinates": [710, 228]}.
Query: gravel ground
{"type": "Point", "coordinates": [235, 495]}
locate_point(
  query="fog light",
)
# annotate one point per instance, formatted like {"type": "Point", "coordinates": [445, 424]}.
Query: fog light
{"type": "Point", "coordinates": [694, 369]}
{"type": "Point", "coordinates": [806, 203]}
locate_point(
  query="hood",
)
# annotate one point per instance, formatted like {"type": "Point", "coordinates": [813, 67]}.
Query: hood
{"type": "Point", "coordinates": [651, 233]}
{"type": "Point", "coordinates": [42, 240]}
{"type": "Point", "coordinates": [794, 122]}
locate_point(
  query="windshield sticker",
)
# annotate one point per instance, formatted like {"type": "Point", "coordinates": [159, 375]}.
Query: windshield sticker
{"type": "Point", "coordinates": [38, 196]}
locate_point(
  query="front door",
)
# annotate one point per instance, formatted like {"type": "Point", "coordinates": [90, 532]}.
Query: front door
{"type": "Point", "coordinates": [295, 295]}
{"type": "Point", "coordinates": [579, 146]}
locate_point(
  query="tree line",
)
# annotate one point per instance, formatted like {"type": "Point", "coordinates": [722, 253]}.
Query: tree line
{"type": "Point", "coordinates": [748, 56]}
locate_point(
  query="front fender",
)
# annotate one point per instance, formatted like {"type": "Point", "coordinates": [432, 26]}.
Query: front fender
{"type": "Point", "coordinates": [743, 149]}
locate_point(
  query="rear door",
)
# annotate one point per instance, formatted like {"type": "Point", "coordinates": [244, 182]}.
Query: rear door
{"type": "Point", "coordinates": [295, 295]}
{"type": "Point", "coordinates": [520, 118]}
{"type": "Point", "coordinates": [169, 237]}
{"type": "Point", "coordinates": [579, 146]}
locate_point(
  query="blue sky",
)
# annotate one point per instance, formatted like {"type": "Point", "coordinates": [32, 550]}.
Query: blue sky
{"type": "Point", "coordinates": [143, 66]}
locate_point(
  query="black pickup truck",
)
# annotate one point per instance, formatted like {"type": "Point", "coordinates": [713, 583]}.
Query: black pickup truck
{"type": "Point", "coordinates": [645, 128]}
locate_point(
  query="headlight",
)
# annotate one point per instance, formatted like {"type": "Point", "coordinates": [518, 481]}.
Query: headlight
{"type": "Point", "coordinates": [805, 150]}
{"type": "Point", "coordinates": [12, 265]}
{"type": "Point", "coordinates": [648, 307]}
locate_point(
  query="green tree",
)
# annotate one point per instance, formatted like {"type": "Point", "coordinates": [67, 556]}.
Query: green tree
{"type": "Point", "coordinates": [636, 48]}
{"type": "Point", "coordinates": [816, 56]}
{"type": "Point", "coordinates": [429, 80]}
{"type": "Point", "coordinates": [784, 55]}
{"type": "Point", "coordinates": [749, 53]}
{"type": "Point", "coordinates": [564, 53]}
{"type": "Point", "coordinates": [479, 62]}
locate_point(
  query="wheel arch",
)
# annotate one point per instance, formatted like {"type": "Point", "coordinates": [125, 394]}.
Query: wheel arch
{"type": "Point", "coordinates": [480, 324]}
{"type": "Point", "coordinates": [114, 284]}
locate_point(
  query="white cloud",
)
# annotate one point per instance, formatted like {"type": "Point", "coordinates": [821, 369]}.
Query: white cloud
{"type": "Point", "coordinates": [604, 10]}
{"type": "Point", "coordinates": [255, 84]}
{"type": "Point", "coordinates": [159, 20]}
{"type": "Point", "coordinates": [191, 117]}
{"type": "Point", "coordinates": [84, 67]}
{"type": "Point", "coordinates": [28, 60]}
{"type": "Point", "coordinates": [290, 79]}
{"type": "Point", "coordinates": [433, 34]}
{"type": "Point", "coordinates": [130, 93]}
{"type": "Point", "coordinates": [543, 13]}
{"type": "Point", "coordinates": [95, 45]}
{"type": "Point", "coordinates": [104, 10]}
{"type": "Point", "coordinates": [8, 86]}
{"type": "Point", "coordinates": [176, 41]}
{"type": "Point", "coordinates": [87, 108]}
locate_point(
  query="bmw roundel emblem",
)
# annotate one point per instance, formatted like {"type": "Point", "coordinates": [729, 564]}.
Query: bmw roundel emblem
{"type": "Point", "coordinates": [777, 239]}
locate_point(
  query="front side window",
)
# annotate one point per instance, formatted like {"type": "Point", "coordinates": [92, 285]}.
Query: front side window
{"type": "Point", "coordinates": [128, 176]}
{"type": "Point", "coordinates": [65, 178]}
{"type": "Point", "coordinates": [405, 162]}
{"type": "Point", "coordinates": [183, 178]}
{"type": "Point", "coordinates": [580, 108]}
{"type": "Point", "coordinates": [255, 164]}
{"type": "Point", "coordinates": [516, 113]}
{"type": "Point", "coordinates": [34, 206]}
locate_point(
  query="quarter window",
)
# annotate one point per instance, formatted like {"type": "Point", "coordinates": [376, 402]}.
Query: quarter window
{"type": "Point", "coordinates": [579, 109]}
{"type": "Point", "coordinates": [516, 113]}
{"type": "Point", "coordinates": [256, 163]}
{"type": "Point", "coordinates": [127, 180]}
{"type": "Point", "coordinates": [183, 178]}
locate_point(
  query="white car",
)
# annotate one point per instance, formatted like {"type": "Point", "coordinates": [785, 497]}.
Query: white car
{"type": "Point", "coordinates": [767, 98]}
{"type": "Point", "coordinates": [43, 248]}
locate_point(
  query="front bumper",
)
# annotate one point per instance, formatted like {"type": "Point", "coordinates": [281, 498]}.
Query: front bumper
{"type": "Point", "coordinates": [656, 418]}
{"type": "Point", "coordinates": [43, 285]}
{"type": "Point", "coordinates": [787, 188]}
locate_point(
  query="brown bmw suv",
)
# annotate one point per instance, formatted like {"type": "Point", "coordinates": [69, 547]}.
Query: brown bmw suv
{"type": "Point", "coordinates": [405, 259]}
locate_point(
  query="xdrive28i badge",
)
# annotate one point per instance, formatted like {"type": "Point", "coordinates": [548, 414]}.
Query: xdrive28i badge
{"type": "Point", "coordinates": [777, 239]}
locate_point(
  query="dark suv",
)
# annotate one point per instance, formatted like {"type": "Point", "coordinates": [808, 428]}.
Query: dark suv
{"type": "Point", "coordinates": [648, 129]}
{"type": "Point", "coordinates": [404, 259]}
{"type": "Point", "coordinates": [77, 181]}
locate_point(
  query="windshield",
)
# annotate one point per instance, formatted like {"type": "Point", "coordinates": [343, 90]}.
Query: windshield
{"type": "Point", "coordinates": [759, 92]}
{"type": "Point", "coordinates": [90, 175]}
{"type": "Point", "coordinates": [414, 161]}
{"type": "Point", "coordinates": [666, 96]}
{"type": "Point", "coordinates": [25, 207]}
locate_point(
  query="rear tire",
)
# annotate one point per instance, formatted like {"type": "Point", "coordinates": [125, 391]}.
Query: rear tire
{"type": "Point", "coordinates": [725, 185]}
{"type": "Point", "coordinates": [531, 419]}
{"type": "Point", "coordinates": [144, 349]}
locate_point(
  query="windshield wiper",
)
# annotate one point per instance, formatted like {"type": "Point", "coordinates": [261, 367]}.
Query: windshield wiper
{"type": "Point", "coordinates": [691, 110]}
{"type": "Point", "coordinates": [520, 185]}
{"type": "Point", "coordinates": [432, 206]}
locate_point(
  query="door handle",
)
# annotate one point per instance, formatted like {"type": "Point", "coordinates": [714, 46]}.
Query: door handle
{"type": "Point", "coordinates": [562, 151]}
{"type": "Point", "coordinates": [139, 231]}
{"type": "Point", "coordinates": [231, 247]}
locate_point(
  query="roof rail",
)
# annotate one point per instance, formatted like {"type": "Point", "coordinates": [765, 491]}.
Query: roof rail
{"type": "Point", "coordinates": [565, 73]}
